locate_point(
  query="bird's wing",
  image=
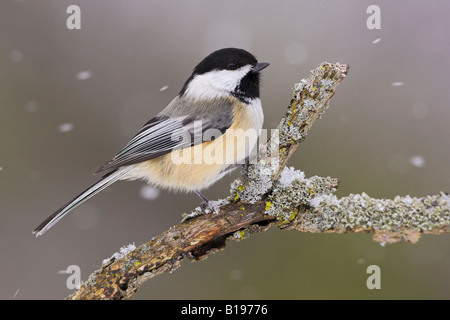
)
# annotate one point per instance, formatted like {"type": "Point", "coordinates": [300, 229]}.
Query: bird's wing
{"type": "Point", "coordinates": [163, 134]}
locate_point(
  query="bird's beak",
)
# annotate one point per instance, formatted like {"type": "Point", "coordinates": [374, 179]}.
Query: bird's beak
{"type": "Point", "coordinates": [259, 66]}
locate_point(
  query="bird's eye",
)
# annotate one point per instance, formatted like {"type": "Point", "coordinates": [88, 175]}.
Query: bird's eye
{"type": "Point", "coordinates": [232, 66]}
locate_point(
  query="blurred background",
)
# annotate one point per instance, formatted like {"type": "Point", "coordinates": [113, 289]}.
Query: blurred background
{"type": "Point", "coordinates": [71, 99]}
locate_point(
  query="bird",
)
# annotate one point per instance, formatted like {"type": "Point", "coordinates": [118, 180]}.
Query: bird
{"type": "Point", "coordinates": [204, 133]}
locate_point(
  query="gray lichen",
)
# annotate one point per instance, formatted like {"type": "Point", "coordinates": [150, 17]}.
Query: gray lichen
{"type": "Point", "coordinates": [327, 83]}
{"type": "Point", "coordinates": [213, 206]}
{"type": "Point", "coordinates": [355, 212]}
{"type": "Point", "coordinates": [123, 251]}
{"type": "Point", "coordinates": [288, 195]}
{"type": "Point", "coordinates": [260, 182]}
{"type": "Point", "coordinates": [361, 211]}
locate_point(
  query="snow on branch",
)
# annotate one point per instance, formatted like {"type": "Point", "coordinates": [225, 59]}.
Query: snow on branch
{"type": "Point", "coordinates": [275, 195]}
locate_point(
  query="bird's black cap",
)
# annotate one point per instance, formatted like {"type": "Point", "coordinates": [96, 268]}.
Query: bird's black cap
{"type": "Point", "coordinates": [228, 58]}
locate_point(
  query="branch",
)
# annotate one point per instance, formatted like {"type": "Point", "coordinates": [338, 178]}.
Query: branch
{"type": "Point", "coordinates": [273, 195]}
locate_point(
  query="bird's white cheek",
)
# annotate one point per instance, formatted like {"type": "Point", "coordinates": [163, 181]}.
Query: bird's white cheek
{"type": "Point", "coordinates": [215, 84]}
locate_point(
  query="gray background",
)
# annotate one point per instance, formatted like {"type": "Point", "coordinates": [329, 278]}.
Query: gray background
{"type": "Point", "coordinates": [131, 49]}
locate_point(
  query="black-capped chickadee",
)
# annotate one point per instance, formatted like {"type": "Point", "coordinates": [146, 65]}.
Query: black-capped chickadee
{"type": "Point", "coordinates": [209, 128]}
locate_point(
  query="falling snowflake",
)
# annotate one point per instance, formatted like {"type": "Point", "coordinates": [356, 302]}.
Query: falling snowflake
{"type": "Point", "coordinates": [65, 127]}
{"type": "Point", "coordinates": [84, 75]}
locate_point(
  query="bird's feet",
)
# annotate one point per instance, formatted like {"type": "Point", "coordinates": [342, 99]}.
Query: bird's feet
{"type": "Point", "coordinates": [244, 170]}
{"type": "Point", "coordinates": [204, 204]}
{"type": "Point", "coordinates": [204, 208]}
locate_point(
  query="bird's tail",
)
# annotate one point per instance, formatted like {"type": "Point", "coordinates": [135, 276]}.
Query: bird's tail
{"type": "Point", "coordinates": [103, 183]}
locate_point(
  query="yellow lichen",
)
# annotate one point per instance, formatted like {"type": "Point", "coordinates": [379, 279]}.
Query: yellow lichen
{"type": "Point", "coordinates": [241, 234]}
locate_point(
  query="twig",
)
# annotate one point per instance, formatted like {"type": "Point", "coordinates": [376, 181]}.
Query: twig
{"type": "Point", "coordinates": [274, 195]}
